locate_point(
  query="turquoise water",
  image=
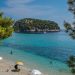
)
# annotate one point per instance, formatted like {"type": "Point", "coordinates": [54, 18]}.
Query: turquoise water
{"type": "Point", "coordinates": [40, 51]}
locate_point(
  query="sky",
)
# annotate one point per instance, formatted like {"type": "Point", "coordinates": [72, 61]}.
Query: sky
{"type": "Point", "coordinates": [54, 10]}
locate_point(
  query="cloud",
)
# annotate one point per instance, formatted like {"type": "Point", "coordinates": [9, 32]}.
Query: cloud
{"type": "Point", "coordinates": [18, 9]}
{"type": "Point", "coordinates": [15, 3]}
{"type": "Point", "coordinates": [28, 11]}
{"type": "Point", "coordinates": [21, 9]}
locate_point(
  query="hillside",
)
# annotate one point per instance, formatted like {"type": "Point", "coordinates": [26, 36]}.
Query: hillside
{"type": "Point", "coordinates": [35, 25]}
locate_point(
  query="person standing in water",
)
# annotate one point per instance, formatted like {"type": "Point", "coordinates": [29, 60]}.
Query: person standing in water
{"type": "Point", "coordinates": [11, 52]}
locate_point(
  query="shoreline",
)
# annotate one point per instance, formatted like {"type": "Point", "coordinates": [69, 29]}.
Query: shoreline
{"type": "Point", "coordinates": [38, 32]}
{"type": "Point", "coordinates": [7, 64]}
{"type": "Point", "coordinates": [6, 67]}
{"type": "Point", "coordinates": [33, 61]}
{"type": "Point", "coordinates": [51, 69]}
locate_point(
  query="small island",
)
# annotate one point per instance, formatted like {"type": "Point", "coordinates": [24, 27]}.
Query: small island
{"type": "Point", "coordinates": [29, 25]}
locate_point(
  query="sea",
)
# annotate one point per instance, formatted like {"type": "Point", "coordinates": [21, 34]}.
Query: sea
{"type": "Point", "coordinates": [45, 52]}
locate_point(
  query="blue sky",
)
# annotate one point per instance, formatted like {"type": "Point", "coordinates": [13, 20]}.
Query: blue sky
{"type": "Point", "coordinates": [56, 10]}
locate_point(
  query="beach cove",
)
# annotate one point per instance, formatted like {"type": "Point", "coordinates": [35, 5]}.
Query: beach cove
{"type": "Point", "coordinates": [45, 52]}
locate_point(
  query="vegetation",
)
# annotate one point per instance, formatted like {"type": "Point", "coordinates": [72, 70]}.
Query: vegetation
{"type": "Point", "coordinates": [67, 26]}
{"type": "Point", "coordinates": [35, 25]}
{"type": "Point", "coordinates": [69, 29]}
{"type": "Point", "coordinates": [6, 28]}
{"type": "Point", "coordinates": [71, 63]}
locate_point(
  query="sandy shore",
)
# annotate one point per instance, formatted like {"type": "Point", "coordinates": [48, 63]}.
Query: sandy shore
{"type": "Point", "coordinates": [6, 67]}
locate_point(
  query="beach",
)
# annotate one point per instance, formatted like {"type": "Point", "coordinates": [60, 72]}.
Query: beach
{"type": "Point", "coordinates": [37, 37]}
{"type": "Point", "coordinates": [33, 53]}
{"type": "Point", "coordinates": [6, 68]}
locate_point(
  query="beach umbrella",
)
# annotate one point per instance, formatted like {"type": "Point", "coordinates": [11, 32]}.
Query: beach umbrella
{"type": "Point", "coordinates": [36, 72]}
{"type": "Point", "coordinates": [1, 58]}
{"type": "Point", "coordinates": [19, 63]}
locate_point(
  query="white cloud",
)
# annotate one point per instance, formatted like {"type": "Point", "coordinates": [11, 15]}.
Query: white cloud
{"type": "Point", "coordinates": [28, 11]}
{"type": "Point", "coordinates": [14, 3]}
{"type": "Point", "coordinates": [21, 9]}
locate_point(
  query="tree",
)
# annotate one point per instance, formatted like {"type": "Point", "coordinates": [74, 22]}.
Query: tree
{"type": "Point", "coordinates": [71, 4]}
{"type": "Point", "coordinates": [71, 63]}
{"type": "Point", "coordinates": [35, 25]}
{"type": "Point", "coordinates": [1, 14]}
{"type": "Point", "coordinates": [67, 26]}
{"type": "Point", "coordinates": [6, 27]}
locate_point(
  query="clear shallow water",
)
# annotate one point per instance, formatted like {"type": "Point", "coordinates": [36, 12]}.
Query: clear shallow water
{"type": "Point", "coordinates": [41, 51]}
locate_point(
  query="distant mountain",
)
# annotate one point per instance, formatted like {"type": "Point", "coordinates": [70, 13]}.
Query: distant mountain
{"type": "Point", "coordinates": [29, 25]}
